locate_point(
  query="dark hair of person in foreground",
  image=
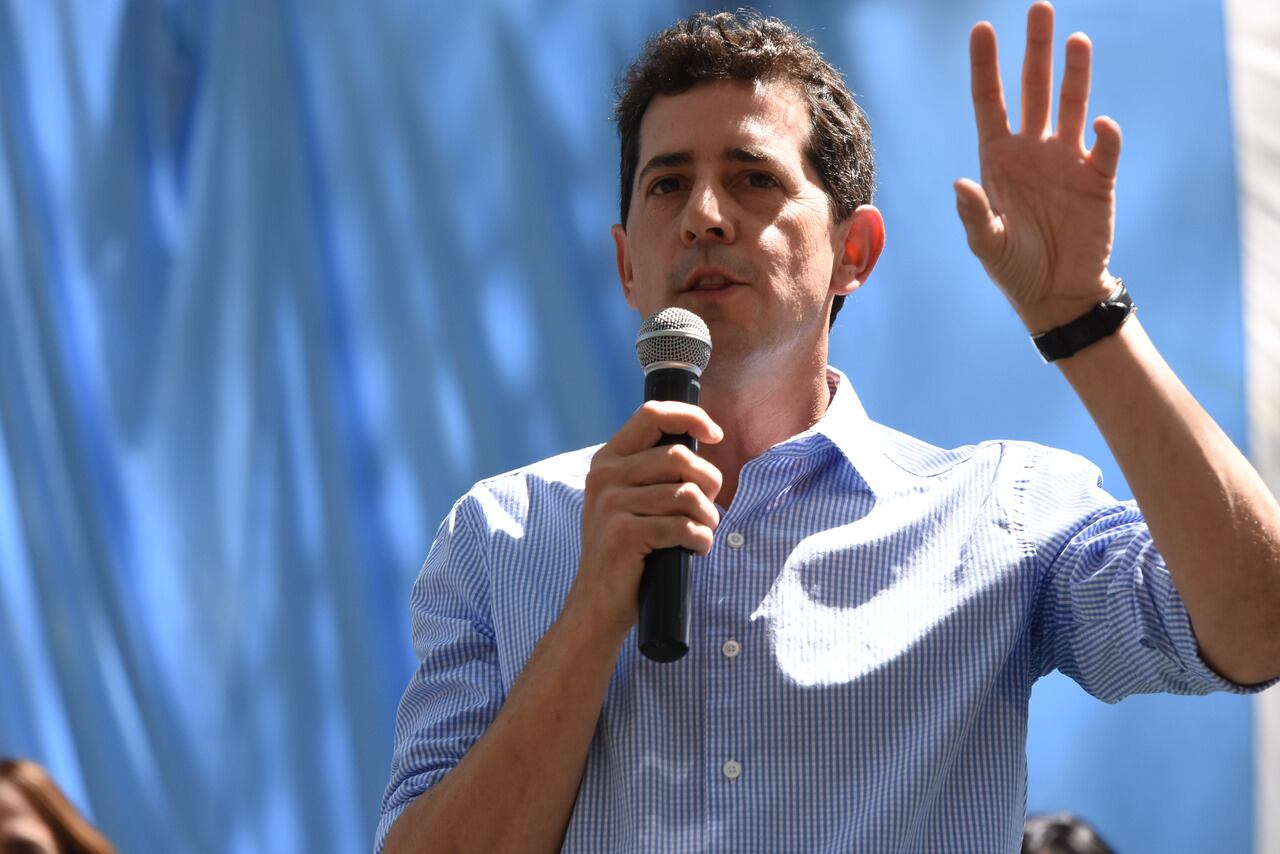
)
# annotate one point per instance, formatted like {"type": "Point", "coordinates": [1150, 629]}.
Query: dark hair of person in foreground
{"type": "Point", "coordinates": [1061, 833]}
{"type": "Point", "coordinates": [40, 813]}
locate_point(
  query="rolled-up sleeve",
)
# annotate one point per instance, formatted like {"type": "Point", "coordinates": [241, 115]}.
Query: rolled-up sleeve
{"type": "Point", "coordinates": [456, 691]}
{"type": "Point", "coordinates": [1107, 612]}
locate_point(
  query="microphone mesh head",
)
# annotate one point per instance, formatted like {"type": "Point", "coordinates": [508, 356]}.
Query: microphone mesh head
{"type": "Point", "coordinates": [674, 335]}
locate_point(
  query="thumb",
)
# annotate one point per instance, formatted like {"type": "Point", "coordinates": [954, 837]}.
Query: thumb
{"type": "Point", "coordinates": [984, 229]}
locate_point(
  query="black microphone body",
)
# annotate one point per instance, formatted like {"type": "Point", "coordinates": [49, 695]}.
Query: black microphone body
{"type": "Point", "coordinates": [664, 586]}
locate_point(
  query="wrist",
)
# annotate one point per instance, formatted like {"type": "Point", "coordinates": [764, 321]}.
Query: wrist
{"type": "Point", "coordinates": [1051, 313]}
{"type": "Point", "coordinates": [585, 623]}
{"type": "Point", "coordinates": [1103, 320]}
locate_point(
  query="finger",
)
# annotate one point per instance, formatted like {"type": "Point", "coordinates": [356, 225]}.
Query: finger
{"type": "Point", "coordinates": [984, 80]}
{"type": "Point", "coordinates": [664, 532]}
{"type": "Point", "coordinates": [1037, 71]}
{"type": "Point", "coordinates": [1105, 155]}
{"type": "Point", "coordinates": [1073, 103]}
{"type": "Point", "coordinates": [655, 417]}
{"type": "Point", "coordinates": [984, 229]}
{"type": "Point", "coordinates": [671, 464]}
{"type": "Point", "coordinates": [673, 499]}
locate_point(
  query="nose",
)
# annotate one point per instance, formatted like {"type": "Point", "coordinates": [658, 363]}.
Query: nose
{"type": "Point", "coordinates": [705, 218]}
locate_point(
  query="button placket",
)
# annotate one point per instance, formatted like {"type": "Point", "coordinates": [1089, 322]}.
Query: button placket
{"type": "Point", "coordinates": [724, 672]}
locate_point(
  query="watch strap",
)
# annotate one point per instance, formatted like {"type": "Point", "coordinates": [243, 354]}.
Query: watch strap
{"type": "Point", "coordinates": [1092, 326]}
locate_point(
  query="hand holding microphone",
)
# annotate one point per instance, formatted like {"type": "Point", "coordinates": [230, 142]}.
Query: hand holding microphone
{"type": "Point", "coordinates": [648, 493]}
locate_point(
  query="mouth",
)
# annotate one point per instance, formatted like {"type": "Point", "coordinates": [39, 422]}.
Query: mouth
{"type": "Point", "coordinates": [709, 280]}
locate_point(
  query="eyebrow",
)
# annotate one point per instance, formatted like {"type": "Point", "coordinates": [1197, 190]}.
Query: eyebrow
{"type": "Point", "coordinates": [735, 154]}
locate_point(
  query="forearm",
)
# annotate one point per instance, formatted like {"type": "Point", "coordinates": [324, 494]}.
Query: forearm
{"type": "Point", "coordinates": [1211, 516]}
{"type": "Point", "coordinates": [516, 787]}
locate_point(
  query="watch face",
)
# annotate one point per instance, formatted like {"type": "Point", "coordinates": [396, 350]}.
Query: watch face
{"type": "Point", "coordinates": [1120, 304]}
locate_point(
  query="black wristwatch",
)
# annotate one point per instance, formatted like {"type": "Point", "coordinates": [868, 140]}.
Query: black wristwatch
{"type": "Point", "coordinates": [1094, 325]}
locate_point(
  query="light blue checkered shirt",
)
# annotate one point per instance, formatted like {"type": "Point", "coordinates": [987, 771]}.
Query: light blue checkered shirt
{"type": "Point", "coordinates": [867, 629]}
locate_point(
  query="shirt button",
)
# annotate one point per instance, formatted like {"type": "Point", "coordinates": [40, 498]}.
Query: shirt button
{"type": "Point", "coordinates": [732, 769]}
{"type": "Point", "coordinates": [731, 648]}
{"type": "Point", "coordinates": [736, 540]}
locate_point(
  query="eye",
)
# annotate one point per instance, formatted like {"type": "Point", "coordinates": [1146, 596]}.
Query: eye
{"type": "Point", "coordinates": [761, 180]}
{"type": "Point", "coordinates": [662, 186]}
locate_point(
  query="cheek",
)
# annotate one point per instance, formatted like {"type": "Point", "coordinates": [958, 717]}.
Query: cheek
{"type": "Point", "coordinates": [640, 255]}
{"type": "Point", "coordinates": [802, 252]}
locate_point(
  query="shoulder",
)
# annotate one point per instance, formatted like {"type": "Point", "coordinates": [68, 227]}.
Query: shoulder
{"type": "Point", "coordinates": [507, 497]}
{"type": "Point", "coordinates": [538, 498]}
{"type": "Point", "coordinates": [567, 470]}
{"type": "Point", "coordinates": [915, 457]}
{"type": "Point", "coordinates": [1015, 472]}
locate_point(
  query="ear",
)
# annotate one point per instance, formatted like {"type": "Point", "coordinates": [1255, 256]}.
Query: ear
{"type": "Point", "coordinates": [623, 251]}
{"type": "Point", "coordinates": [859, 240]}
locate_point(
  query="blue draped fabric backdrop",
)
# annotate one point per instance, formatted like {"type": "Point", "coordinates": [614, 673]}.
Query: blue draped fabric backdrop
{"type": "Point", "coordinates": [279, 280]}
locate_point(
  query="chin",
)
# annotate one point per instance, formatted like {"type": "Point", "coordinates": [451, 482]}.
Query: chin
{"type": "Point", "coordinates": [731, 355]}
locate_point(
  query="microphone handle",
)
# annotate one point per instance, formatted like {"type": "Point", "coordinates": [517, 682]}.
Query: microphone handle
{"type": "Point", "coordinates": [663, 631]}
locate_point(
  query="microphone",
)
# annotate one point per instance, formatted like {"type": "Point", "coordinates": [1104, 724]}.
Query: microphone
{"type": "Point", "coordinates": [674, 347]}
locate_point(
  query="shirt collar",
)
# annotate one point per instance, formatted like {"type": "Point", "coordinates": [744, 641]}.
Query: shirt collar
{"type": "Point", "coordinates": [846, 425]}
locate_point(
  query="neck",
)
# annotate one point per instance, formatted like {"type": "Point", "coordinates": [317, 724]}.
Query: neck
{"type": "Point", "coordinates": [757, 410]}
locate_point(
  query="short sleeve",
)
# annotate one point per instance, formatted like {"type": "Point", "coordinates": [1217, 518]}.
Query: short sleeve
{"type": "Point", "coordinates": [456, 691]}
{"type": "Point", "coordinates": [1106, 612]}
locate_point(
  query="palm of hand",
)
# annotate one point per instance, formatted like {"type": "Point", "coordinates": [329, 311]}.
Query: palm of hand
{"type": "Point", "coordinates": [1057, 214]}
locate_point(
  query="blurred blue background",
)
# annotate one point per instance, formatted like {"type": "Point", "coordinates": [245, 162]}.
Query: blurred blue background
{"type": "Point", "coordinates": [279, 280]}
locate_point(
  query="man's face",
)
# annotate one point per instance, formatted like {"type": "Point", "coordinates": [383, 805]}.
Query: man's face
{"type": "Point", "coordinates": [729, 220]}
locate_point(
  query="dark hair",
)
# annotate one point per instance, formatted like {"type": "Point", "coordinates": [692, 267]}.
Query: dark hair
{"type": "Point", "coordinates": [744, 45]}
{"type": "Point", "coordinates": [1062, 833]}
{"type": "Point", "coordinates": [74, 834]}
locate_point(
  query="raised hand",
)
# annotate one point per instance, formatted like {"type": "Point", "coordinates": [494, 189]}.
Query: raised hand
{"type": "Point", "coordinates": [1043, 219]}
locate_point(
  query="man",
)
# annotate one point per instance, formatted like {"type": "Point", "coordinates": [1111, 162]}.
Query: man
{"type": "Point", "coordinates": [870, 612]}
